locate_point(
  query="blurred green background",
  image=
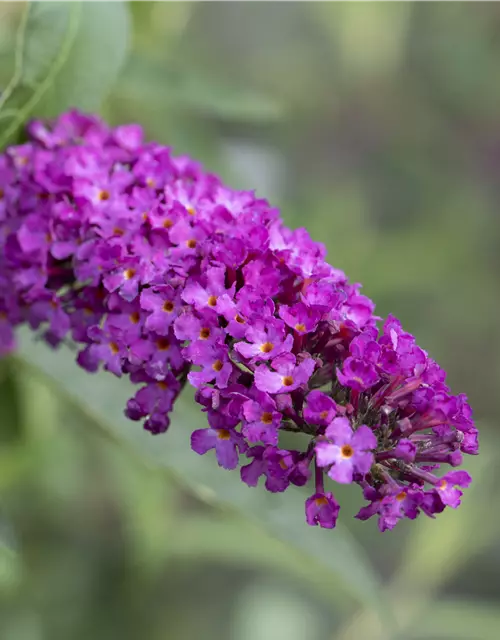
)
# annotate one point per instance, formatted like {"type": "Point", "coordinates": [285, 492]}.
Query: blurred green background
{"type": "Point", "coordinates": [377, 126]}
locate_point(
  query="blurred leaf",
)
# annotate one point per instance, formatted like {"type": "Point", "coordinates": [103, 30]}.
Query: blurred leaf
{"type": "Point", "coordinates": [14, 462]}
{"type": "Point", "coordinates": [147, 504]}
{"type": "Point", "coordinates": [10, 568]}
{"type": "Point", "coordinates": [10, 426]}
{"type": "Point", "coordinates": [231, 539]}
{"type": "Point", "coordinates": [186, 89]}
{"type": "Point", "coordinates": [67, 55]}
{"type": "Point", "coordinates": [456, 539]}
{"type": "Point", "coordinates": [15, 454]}
{"type": "Point", "coordinates": [423, 617]}
{"type": "Point", "coordinates": [39, 409]}
{"type": "Point", "coordinates": [434, 552]}
{"type": "Point", "coordinates": [381, 28]}
{"type": "Point", "coordinates": [164, 21]}
{"type": "Point", "coordinates": [457, 620]}
{"type": "Point", "coordinates": [104, 397]}
{"type": "Point", "coordinates": [266, 613]}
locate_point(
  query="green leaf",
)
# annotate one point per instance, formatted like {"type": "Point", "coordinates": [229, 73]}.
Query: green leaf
{"type": "Point", "coordinates": [267, 613]}
{"type": "Point", "coordinates": [384, 30]}
{"type": "Point", "coordinates": [67, 55]}
{"type": "Point", "coordinates": [457, 620]}
{"type": "Point", "coordinates": [10, 568]}
{"type": "Point", "coordinates": [103, 397]}
{"type": "Point", "coordinates": [456, 539]}
{"type": "Point", "coordinates": [186, 89]}
{"type": "Point", "coordinates": [229, 539]}
{"type": "Point", "coordinates": [10, 421]}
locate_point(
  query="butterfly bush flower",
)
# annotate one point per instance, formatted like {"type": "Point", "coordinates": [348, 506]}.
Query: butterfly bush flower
{"type": "Point", "coordinates": [158, 271]}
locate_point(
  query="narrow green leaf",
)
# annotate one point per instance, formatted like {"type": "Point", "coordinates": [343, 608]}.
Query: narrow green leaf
{"type": "Point", "coordinates": [104, 397]}
{"type": "Point", "coordinates": [67, 55]}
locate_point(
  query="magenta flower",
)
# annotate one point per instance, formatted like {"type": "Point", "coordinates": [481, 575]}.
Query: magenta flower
{"type": "Point", "coordinates": [50, 310]}
{"type": "Point", "coordinates": [262, 420]}
{"type": "Point", "coordinates": [215, 363]}
{"type": "Point", "coordinates": [163, 305]}
{"type": "Point", "coordinates": [200, 330]}
{"type": "Point", "coordinates": [259, 466]}
{"type": "Point", "coordinates": [287, 375]}
{"type": "Point", "coordinates": [300, 317]}
{"type": "Point", "coordinates": [345, 451]}
{"type": "Point", "coordinates": [267, 338]}
{"type": "Point", "coordinates": [127, 278]}
{"type": "Point", "coordinates": [203, 298]}
{"type": "Point", "coordinates": [447, 490]}
{"type": "Point", "coordinates": [322, 509]}
{"type": "Point", "coordinates": [226, 442]}
{"type": "Point", "coordinates": [401, 503]}
{"type": "Point", "coordinates": [320, 408]}
{"type": "Point", "coordinates": [235, 316]}
{"type": "Point", "coordinates": [159, 272]}
{"type": "Point", "coordinates": [104, 349]}
{"type": "Point", "coordinates": [357, 374]}
{"type": "Point", "coordinates": [156, 397]}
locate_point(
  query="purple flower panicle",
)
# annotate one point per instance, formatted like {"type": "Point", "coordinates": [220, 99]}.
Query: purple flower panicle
{"type": "Point", "coordinates": [158, 271]}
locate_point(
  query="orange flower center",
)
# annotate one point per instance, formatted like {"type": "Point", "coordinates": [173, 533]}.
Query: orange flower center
{"type": "Point", "coordinates": [300, 327]}
{"type": "Point", "coordinates": [118, 232]}
{"type": "Point", "coordinates": [191, 210]}
{"type": "Point", "coordinates": [239, 319]}
{"type": "Point", "coordinates": [163, 385]}
{"type": "Point", "coordinates": [191, 244]}
{"type": "Point", "coordinates": [223, 434]}
{"type": "Point", "coordinates": [266, 417]}
{"type": "Point", "coordinates": [212, 301]}
{"type": "Point", "coordinates": [266, 347]}
{"type": "Point", "coordinates": [150, 182]}
{"type": "Point", "coordinates": [134, 317]}
{"type": "Point", "coordinates": [287, 381]}
{"type": "Point", "coordinates": [347, 451]}
{"type": "Point", "coordinates": [129, 273]}
{"type": "Point", "coordinates": [114, 348]}
{"type": "Point", "coordinates": [321, 501]}
{"type": "Point", "coordinates": [167, 223]}
{"type": "Point", "coordinates": [103, 195]}
{"type": "Point", "coordinates": [163, 344]}
{"type": "Point", "coordinates": [204, 333]}
{"type": "Point", "coordinates": [217, 365]}
{"type": "Point", "coordinates": [401, 496]}
{"type": "Point", "coordinates": [168, 306]}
